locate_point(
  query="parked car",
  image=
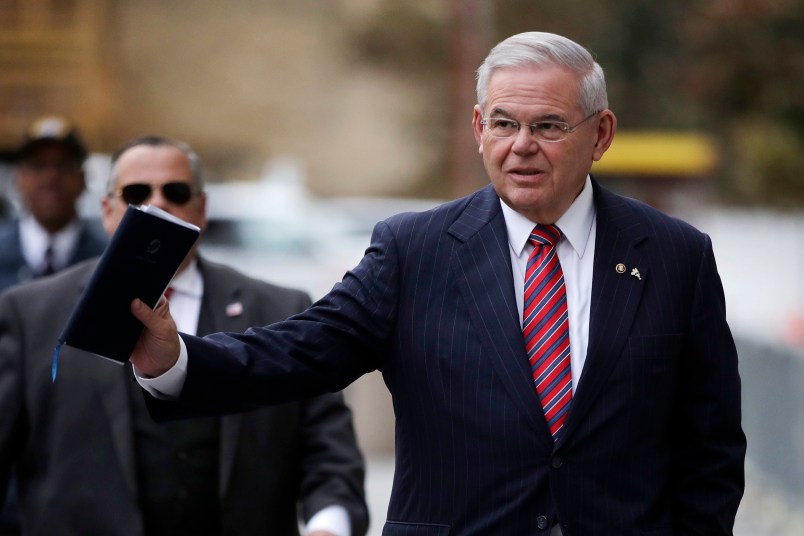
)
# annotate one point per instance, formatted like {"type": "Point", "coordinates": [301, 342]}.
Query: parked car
{"type": "Point", "coordinates": [276, 231]}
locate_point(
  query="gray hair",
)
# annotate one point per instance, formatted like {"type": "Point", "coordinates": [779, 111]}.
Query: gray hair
{"type": "Point", "coordinates": [540, 48]}
{"type": "Point", "coordinates": [196, 170]}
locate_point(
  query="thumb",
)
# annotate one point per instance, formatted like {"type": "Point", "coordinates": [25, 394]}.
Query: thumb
{"type": "Point", "coordinates": [158, 347]}
{"type": "Point", "coordinates": [150, 318]}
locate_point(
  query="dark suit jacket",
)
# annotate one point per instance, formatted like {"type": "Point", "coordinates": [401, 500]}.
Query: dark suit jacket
{"type": "Point", "coordinates": [73, 439]}
{"type": "Point", "coordinates": [652, 443]}
{"type": "Point", "coordinates": [14, 269]}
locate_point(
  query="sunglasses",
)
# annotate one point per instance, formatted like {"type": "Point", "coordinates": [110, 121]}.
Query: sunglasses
{"type": "Point", "coordinates": [178, 193]}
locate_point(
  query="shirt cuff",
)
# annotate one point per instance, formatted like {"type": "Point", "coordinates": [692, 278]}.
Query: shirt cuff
{"type": "Point", "coordinates": [168, 386]}
{"type": "Point", "coordinates": [334, 519]}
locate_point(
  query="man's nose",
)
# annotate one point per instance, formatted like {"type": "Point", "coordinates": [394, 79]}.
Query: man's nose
{"type": "Point", "coordinates": [157, 199]}
{"type": "Point", "coordinates": [524, 141]}
{"type": "Point", "coordinates": [51, 170]}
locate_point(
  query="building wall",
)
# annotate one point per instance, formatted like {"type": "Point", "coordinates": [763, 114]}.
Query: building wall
{"type": "Point", "coordinates": [241, 81]}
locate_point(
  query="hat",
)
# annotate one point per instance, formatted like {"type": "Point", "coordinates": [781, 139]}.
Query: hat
{"type": "Point", "coordinates": [51, 129]}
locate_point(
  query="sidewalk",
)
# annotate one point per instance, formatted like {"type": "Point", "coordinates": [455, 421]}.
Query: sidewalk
{"type": "Point", "coordinates": [762, 513]}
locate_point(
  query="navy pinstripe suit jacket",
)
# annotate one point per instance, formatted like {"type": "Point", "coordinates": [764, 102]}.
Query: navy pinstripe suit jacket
{"type": "Point", "coordinates": [652, 444]}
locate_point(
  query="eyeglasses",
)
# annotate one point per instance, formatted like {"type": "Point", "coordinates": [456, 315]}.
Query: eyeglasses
{"type": "Point", "coordinates": [549, 131]}
{"type": "Point", "coordinates": [178, 193]}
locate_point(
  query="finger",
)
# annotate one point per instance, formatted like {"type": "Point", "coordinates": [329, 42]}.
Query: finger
{"type": "Point", "coordinates": [158, 346]}
{"type": "Point", "coordinates": [149, 317]}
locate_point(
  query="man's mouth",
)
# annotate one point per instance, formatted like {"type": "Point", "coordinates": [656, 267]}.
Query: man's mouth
{"type": "Point", "coordinates": [524, 171]}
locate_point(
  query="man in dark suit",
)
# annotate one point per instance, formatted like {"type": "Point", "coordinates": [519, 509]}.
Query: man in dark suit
{"type": "Point", "coordinates": [558, 355]}
{"type": "Point", "coordinates": [49, 235]}
{"type": "Point", "coordinates": [91, 461]}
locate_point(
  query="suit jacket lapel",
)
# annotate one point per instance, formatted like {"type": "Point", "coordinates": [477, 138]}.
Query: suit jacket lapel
{"type": "Point", "coordinates": [18, 269]}
{"type": "Point", "coordinates": [615, 298]}
{"type": "Point", "coordinates": [218, 293]}
{"type": "Point", "coordinates": [13, 249]}
{"type": "Point", "coordinates": [485, 280]}
{"type": "Point", "coordinates": [87, 246]}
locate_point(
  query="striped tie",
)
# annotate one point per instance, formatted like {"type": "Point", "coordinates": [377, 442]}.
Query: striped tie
{"type": "Point", "coordinates": [48, 261]}
{"type": "Point", "coordinates": [545, 325]}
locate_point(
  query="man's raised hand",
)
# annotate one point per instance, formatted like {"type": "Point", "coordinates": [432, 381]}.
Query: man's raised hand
{"type": "Point", "coordinates": [158, 347]}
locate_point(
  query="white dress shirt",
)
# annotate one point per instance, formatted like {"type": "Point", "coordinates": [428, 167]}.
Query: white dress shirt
{"type": "Point", "coordinates": [34, 241]}
{"type": "Point", "coordinates": [185, 301]}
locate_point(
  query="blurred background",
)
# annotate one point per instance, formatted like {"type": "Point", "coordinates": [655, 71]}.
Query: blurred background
{"type": "Point", "coordinates": [316, 115]}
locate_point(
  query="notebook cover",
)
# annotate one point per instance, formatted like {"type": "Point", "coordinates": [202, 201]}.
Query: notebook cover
{"type": "Point", "coordinates": [139, 262]}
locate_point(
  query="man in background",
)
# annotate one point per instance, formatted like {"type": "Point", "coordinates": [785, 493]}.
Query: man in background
{"type": "Point", "coordinates": [90, 459]}
{"type": "Point", "coordinates": [48, 235]}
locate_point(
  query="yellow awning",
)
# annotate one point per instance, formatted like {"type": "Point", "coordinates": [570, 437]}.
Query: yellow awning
{"type": "Point", "coordinates": [658, 153]}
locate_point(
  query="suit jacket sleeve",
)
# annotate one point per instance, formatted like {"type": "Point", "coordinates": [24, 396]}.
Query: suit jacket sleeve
{"type": "Point", "coordinates": [323, 349]}
{"type": "Point", "coordinates": [332, 470]}
{"type": "Point", "coordinates": [709, 442]}
{"type": "Point", "coordinates": [319, 434]}
{"type": "Point", "coordinates": [12, 421]}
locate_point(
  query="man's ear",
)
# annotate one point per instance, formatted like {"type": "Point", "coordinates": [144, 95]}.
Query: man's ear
{"type": "Point", "coordinates": [607, 126]}
{"type": "Point", "coordinates": [107, 215]}
{"type": "Point", "coordinates": [477, 127]}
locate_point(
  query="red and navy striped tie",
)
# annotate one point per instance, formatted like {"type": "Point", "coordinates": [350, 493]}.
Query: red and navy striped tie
{"type": "Point", "coordinates": [545, 325]}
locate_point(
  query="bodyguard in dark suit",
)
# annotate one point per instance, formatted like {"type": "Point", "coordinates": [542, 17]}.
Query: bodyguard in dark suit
{"type": "Point", "coordinates": [14, 268]}
{"type": "Point", "coordinates": [558, 355]}
{"type": "Point", "coordinates": [91, 460]}
{"type": "Point", "coordinates": [49, 235]}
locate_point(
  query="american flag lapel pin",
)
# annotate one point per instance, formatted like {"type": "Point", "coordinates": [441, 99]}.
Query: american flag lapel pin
{"type": "Point", "coordinates": [234, 309]}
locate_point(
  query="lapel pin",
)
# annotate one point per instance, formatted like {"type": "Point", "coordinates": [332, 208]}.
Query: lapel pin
{"type": "Point", "coordinates": [620, 268]}
{"type": "Point", "coordinates": [635, 273]}
{"type": "Point", "coordinates": [234, 309]}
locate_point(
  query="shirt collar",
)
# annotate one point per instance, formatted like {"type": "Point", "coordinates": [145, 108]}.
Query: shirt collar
{"type": "Point", "coordinates": [189, 281]}
{"type": "Point", "coordinates": [575, 223]}
{"type": "Point", "coordinates": [35, 240]}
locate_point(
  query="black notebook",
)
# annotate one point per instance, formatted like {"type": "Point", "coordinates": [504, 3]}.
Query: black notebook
{"type": "Point", "coordinates": [142, 257]}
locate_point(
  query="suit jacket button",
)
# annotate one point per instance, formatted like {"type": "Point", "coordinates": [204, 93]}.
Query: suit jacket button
{"type": "Point", "coordinates": [557, 462]}
{"type": "Point", "coordinates": [541, 522]}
